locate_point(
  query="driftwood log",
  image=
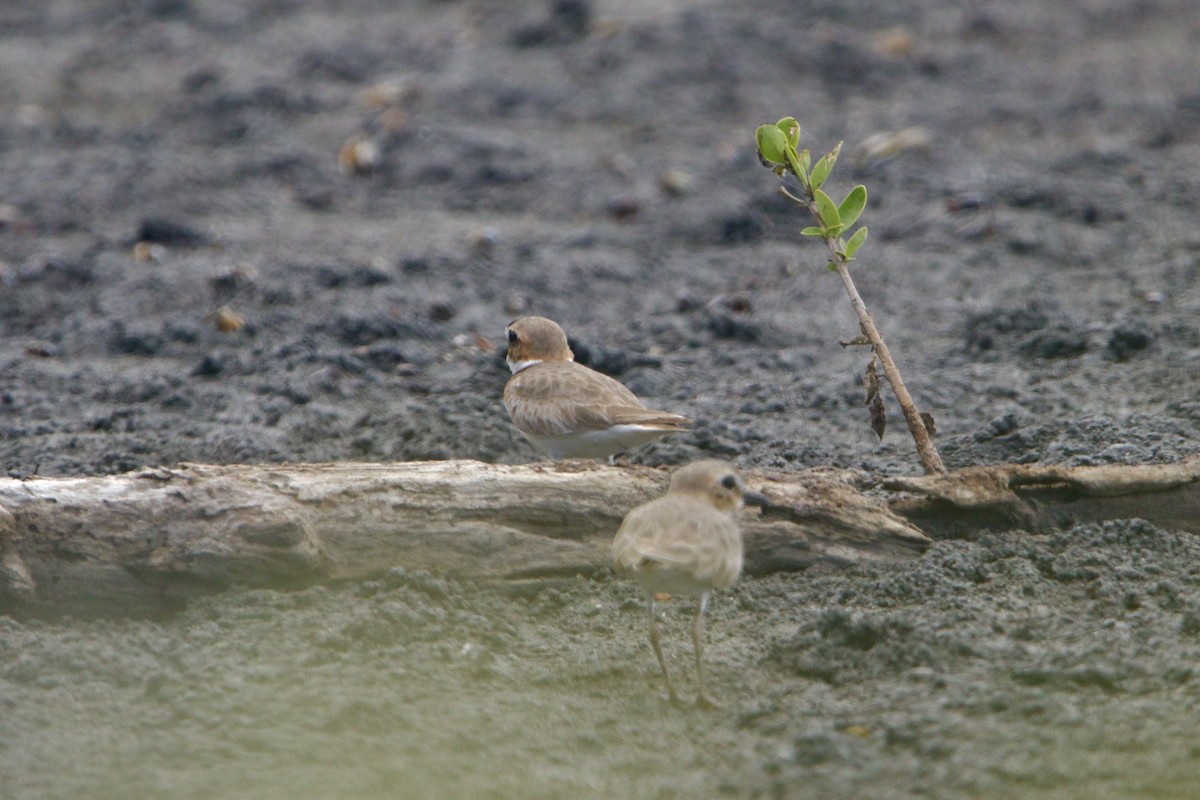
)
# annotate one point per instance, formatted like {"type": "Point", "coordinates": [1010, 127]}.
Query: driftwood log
{"type": "Point", "coordinates": [1043, 497]}
{"type": "Point", "coordinates": [148, 541]}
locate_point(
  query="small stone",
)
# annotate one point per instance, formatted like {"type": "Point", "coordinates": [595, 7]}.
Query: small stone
{"type": "Point", "coordinates": [161, 230]}
{"type": "Point", "coordinates": [211, 366]}
{"type": "Point", "coordinates": [624, 207]}
{"type": "Point", "coordinates": [516, 303]}
{"type": "Point", "coordinates": [1127, 340]}
{"type": "Point", "coordinates": [359, 155]}
{"type": "Point", "coordinates": [737, 303]}
{"type": "Point", "coordinates": [484, 239]}
{"type": "Point", "coordinates": [227, 320]}
{"type": "Point", "coordinates": [148, 253]}
{"type": "Point", "coordinates": [896, 42]}
{"type": "Point", "coordinates": [442, 311]}
{"type": "Point", "coordinates": [676, 182]}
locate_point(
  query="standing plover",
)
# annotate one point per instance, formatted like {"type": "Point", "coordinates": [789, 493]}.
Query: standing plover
{"type": "Point", "coordinates": [686, 542]}
{"type": "Point", "coordinates": [568, 410]}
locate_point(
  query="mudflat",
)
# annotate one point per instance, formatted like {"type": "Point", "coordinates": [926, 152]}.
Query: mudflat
{"type": "Point", "coordinates": [260, 232]}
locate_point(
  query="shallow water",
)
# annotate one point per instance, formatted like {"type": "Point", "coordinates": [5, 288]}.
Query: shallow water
{"type": "Point", "coordinates": [996, 668]}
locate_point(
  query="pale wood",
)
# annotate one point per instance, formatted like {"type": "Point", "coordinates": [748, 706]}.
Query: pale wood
{"type": "Point", "coordinates": [1042, 497]}
{"type": "Point", "coordinates": [151, 539]}
{"type": "Point", "coordinates": [147, 541]}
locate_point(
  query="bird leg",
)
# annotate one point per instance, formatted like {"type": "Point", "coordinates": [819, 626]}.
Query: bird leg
{"type": "Point", "coordinates": [656, 643]}
{"type": "Point", "coordinates": [703, 700]}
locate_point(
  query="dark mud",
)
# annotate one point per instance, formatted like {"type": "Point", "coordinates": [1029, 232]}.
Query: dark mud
{"type": "Point", "coordinates": [1035, 268]}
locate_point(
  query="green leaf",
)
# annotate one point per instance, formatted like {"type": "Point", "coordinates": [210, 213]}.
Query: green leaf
{"type": "Point", "coordinates": [806, 159]}
{"type": "Point", "coordinates": [856, 241]}
{"type": "Point", "coordinates": [824, 166]}
{"type": "Point", "coordinates": [791, 130]}
{"type": "Point", "coordinates": [853, 205]}
{"type": "Point", "coordinates": [832, 267]}
{"type": "Point", "coordinates": [826, 210]}
{"type": "Point", "coordinates": [794, 163]}
{"type": "Point", "coordinates": [772, 143]}
{"type": "Point", "coordinates": [812, 230]}
{"type": "Point", "coordinates": [820, 171]}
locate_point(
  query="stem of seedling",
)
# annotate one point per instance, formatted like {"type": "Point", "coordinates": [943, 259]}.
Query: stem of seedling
{"type": "Point", "coordinates": [930, 459]}
{"type": "Point", "coordinates": [777, 149]}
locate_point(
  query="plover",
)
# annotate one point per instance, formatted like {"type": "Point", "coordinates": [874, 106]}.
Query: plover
{"type": "Point", "coordinates": [686, 542]}
{"type": "Point", "coordinates": [568, 410]}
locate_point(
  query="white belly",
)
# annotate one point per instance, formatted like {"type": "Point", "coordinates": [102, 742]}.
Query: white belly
{"type": "Point", "coordinates": [595, 444]}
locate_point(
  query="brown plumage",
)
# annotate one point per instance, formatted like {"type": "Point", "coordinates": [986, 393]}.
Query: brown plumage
{"type": "Point", "coordinates": [686, 542]}
{"type": "Point", "coordinates": [568, 410]}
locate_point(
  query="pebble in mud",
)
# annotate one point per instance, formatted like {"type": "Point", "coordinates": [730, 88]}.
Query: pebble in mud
{"type": "Point", "coordinates": [171, 232]}
{"type": "Point", "coordinates": [1129, 340]}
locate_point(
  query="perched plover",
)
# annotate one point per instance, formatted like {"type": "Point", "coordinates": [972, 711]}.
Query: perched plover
{"type": "Point", "coordinates": [686, 542]}
{"type": "Point", "coordinates": [568, 410]}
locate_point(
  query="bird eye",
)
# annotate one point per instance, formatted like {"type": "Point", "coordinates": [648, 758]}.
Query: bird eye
{"type": "Point", "coordinates": [729, 482]}
{"type": "Point", "coordinates": [512, 336]}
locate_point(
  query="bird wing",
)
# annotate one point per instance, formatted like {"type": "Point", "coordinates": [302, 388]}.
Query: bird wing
{"type": "Point", "coordinates": [563, 397]}
{"type": "Point", "coordinates": [680, 533]}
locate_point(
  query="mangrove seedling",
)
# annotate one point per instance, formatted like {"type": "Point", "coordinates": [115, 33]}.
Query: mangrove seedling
{"type": "Point", "coordinates": [778, 149]}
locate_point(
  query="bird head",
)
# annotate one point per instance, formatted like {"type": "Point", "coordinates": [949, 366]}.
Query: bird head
{"type": "Point", "coordinates": [532, 340]}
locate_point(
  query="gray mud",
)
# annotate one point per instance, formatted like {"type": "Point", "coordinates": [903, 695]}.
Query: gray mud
{"type": "Point", "coordinates": [1036, 271]}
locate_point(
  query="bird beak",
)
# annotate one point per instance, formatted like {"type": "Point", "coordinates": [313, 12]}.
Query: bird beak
{"type": "Point", "coordinates": [756, 499]}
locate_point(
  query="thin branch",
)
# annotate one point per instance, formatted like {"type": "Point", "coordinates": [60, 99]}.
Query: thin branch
{"type": "Point", "coordinates": [930, 460]}
{"type": "Point", "coordinates": [926, 451]}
